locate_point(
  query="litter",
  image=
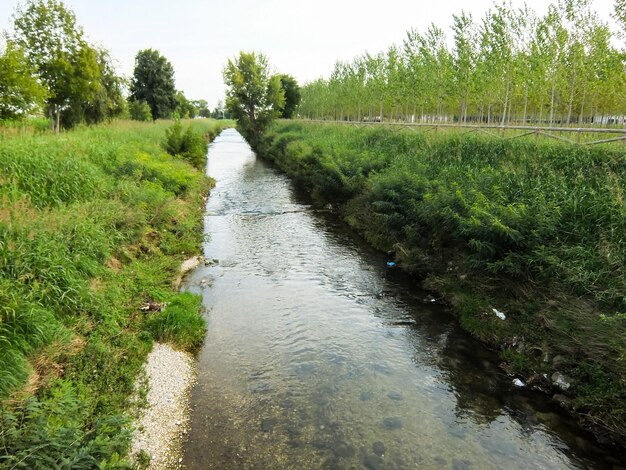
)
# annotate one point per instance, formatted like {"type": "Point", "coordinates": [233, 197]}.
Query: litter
{"type": "Point", "coordinates": [499, 314]}
{"type": "Point", "coordinates": [518, 383]}
{"type": "Point", "coordinates": [391, 264]}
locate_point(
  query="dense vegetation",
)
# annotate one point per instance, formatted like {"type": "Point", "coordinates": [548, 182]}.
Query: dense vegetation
{"type": "Point", "coordinates": [47, 63]}
{"type": "Point", "coordinates": [536, 230]}
{"type": "Point", "coordinates": [93, 226]}
{"type": "Point", "coordinates": [253, 96]}
{"type": "Point", "coordinates": [510, 67]}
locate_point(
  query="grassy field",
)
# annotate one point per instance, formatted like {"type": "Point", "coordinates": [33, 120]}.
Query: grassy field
{"type": "Point", "coordinates": [93, 226]}
{"type": "Point", "coordinates": [535, 230]}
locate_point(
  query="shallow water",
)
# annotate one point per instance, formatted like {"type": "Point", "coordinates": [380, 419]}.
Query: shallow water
{"type": "Point", "coordinates": [318, 356]}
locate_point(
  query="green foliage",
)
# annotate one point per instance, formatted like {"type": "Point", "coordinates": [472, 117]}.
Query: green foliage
{"type": "Point", "coordinates": [509, 67]}
{"type": "Point", "coordinates": [534, 229]}
{"type": "Point", "coordinates": [20, 92]}
{"type": "Point", "coordinates": [139, 110]}
{"type": "Point", "coordinates": [254, 98]}
{"type": "Point", "coordinates": [291, 90]}
{"type": "Point", "coordinates": [180, 323]}
{"type": "Point", "coordinates": [153, 82]}
{"type": "Point", "coordinates": [92, 225]}
{"type": "Point", "coordinates": [80, 80]}
{"type": "Point", "coordinates": [50, 433]}
{"type": "Point", "coordinates": [188, 144]}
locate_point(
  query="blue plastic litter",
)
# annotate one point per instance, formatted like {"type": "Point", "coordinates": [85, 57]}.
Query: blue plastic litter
{"type": "Point", "coordinates": [391, 264]}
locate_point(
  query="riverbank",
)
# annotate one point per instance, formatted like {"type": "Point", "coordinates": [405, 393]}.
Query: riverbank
{"type": "Point", "coordinates": [94, 224]}
{"type": "Point", "coordinates": [523, 240]}
{"type": "Point", "coordinates": [164, 421]}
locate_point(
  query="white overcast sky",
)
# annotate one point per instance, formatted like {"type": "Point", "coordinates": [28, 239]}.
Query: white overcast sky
{"type": "Point", "coordinates": [303, 39]}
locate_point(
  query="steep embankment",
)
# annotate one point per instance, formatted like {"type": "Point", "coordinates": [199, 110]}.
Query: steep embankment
{"type": "Point", "coordinates": [534, 231]}
{"type": "Point", "coordinates": [94, 224]}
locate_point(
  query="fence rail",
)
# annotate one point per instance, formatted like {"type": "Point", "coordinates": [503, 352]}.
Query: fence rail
{"type": "Point", "coordinates": [619, 134]}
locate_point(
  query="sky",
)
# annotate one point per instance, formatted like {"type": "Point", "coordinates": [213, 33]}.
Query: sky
{"type": "Point", "coordinates": [303, 39]}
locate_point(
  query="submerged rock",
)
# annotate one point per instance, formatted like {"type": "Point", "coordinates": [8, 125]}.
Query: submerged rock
{"type": "Point", "coordinates": [345, 450]}
{"type": "Point", "coordinates": [267, 424]}
{"type": "Point", "coordinates": [392, 422]}
{"type": "Point", "coordinates": [378, 448]}
{"type": "Point", "coordinates": [395, 395]}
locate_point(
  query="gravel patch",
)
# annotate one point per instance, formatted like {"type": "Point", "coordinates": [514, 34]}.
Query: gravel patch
{"type": "Point", "coordinates": [161, 428]}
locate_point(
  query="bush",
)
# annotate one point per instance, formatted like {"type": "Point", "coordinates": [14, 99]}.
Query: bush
{"type": "Point", "coordinates": [180, 323]}
{"type": "Point", "coordinates": [139, 110]}
{"type": "Point", "coordinates": [188, 144]}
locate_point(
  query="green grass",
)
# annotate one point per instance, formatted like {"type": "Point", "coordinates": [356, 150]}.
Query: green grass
{"type": "Point", "coordinates": [536, 229]}
{"type": "Point", "coordinates": [93, 224]}
{"type": "Point", "coordinates": [179, 323]}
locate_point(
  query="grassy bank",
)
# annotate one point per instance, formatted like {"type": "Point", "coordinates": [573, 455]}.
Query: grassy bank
{"type": "Point", "coordinates": [94, 224]}
{"type": "Point", "coordinates": [534, 230]}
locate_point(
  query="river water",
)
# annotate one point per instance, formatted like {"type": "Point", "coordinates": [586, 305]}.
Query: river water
{"type": "Point", "coordinates": [319, 356]}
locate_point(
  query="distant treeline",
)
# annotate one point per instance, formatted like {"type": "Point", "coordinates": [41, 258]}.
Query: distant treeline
{"type": "Point", "coordinates": [511, 66]}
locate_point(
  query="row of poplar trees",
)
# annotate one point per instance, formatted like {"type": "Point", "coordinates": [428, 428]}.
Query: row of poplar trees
{"type": "Point", "coordinates": [511, 67]}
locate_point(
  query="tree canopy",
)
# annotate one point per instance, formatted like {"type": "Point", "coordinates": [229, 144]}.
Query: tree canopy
{"type": "Point", "coordinates": [80, 80]}
{"type": "Point", "coordinates": [511, 66]}
{"type": "Point", "coordinates": [20, 91]}
{"type": "Point", "coordinates": [254, 97]}
{"type": "Point", "coordinates": [153, 82]}
{"type": "Point", "coordinates": [292, 95]}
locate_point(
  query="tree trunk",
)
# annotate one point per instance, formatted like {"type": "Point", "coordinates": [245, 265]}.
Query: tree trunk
{"type": "Point", "coordinates": [552, 103]}
{"type": "Point", "coordinates": [506, 102]}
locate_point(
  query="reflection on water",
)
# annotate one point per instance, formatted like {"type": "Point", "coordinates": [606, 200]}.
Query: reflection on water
{"type": "Point", "coordinates": [317, 356]}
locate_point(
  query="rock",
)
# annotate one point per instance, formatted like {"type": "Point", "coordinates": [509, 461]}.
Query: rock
{"type": "Point", "coordinates": [366, 395]}
{"type": "Point", "coordinates": [461, 464]}
{"type": "Point", "coordinates": [345, 450]}
{"type": "Point", "coordinates": [558, 361]}
{"type": "Point", "coordinates": [373, 462]}
{"type": "Point", "coordinates": [190, 264]}
{"type": "Point", "coordinates": [561, 381]}
{"type": "Point", "coordinates": [378, 448]}
{"type": "Point", "coordinates": [395, 395]}
{"type": "Point", "coordinates": [392, 422]}
{"type": "Point", "coordinates": [441, 461]}
{"type": "Point", "coordinates": [562, 400]}
{"type": "Point", "coordinates": [267, 424]}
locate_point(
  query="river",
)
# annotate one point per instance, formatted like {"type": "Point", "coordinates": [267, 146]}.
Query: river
{"type": "Point", "coordinates": [317, 355]}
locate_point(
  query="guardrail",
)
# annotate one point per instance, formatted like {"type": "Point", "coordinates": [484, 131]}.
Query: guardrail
{"type": "Point", "coordinates": [537, 131]}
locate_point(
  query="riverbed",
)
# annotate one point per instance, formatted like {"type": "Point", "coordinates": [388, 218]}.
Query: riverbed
{"type": "Point", "coordinates": [318, 355]}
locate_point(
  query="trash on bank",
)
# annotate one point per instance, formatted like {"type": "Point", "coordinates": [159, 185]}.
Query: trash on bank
{"type": "Point", "coordinates": [499, 314]}
{"type": "Point", "coordinates": [518, 383]}
{"type": "Point", "coordinates": [391, 264]}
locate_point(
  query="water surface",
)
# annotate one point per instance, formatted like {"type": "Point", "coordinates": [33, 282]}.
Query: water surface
{"type": "Point", "coordinates": [318, 356]}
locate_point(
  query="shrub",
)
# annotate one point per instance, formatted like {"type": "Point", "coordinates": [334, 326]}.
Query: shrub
{"type": "Point", "coordinates": [139, 110]}
{"type": "Point", "coordinates": [188, 144]}
{"type": "Point", "coordinates": [180, 323]}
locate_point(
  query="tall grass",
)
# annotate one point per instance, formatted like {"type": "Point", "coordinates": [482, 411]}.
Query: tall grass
{"type": "Point", "coordinates": [93, 224]}
{"type": "Point", "coordinates": [535, 229]}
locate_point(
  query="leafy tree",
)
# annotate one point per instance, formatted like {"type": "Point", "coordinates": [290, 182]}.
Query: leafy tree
{"type": "Point", "coordinates": [139, 110]}
{"type": "Point", "coordinates": [55, 47]}
{"type": "Point", "coordinates": [153, 82]}
{"type": "Point", "coordinates": [291, 90]}
{"type": "Point", "coordinates": [253, 97]}
{"type": "Point", "coordinates": [202, 108]}
{"type": "Point", "coordinates": [109, 100]}
{"type": "Point", "coordinates": [20, 90]}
